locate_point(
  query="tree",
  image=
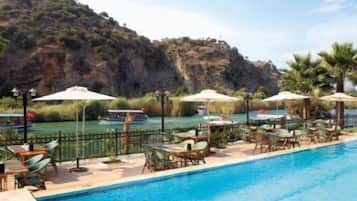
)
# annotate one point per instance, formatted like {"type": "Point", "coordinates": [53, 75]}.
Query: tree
{"type": "Point", "coordinates": [3, 45]}
{"type": "Point", "coordinates": [304, 75]}
{"type": "Point", "coordinates": [341, 62]}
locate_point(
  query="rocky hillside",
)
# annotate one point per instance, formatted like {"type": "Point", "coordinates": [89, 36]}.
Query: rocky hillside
{"type": "Point", "coordinates": [213, 63]}
{"type": "Point", "coordinates": [57, 44]}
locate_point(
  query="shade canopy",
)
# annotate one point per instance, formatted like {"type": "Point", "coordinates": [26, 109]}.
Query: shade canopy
{"type": "Point", "coordinates": [208, 95]}
{"type": "Point", "coordinates": [75, 93]}
{"type": "Point", "coordinates": [286, 95]}
{"type": "Point", "coordinates": [339, 97]}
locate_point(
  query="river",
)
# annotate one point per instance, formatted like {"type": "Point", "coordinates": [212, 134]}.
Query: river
{"type": "Point", "coordinates": [151, 123]}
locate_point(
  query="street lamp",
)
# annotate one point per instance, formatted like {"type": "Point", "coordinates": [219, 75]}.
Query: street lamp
{"type": "Point", "coordinates": [162, 96]}
{"type": "Point", "coordinates": [25, 94]}
{"type": "Point", "coordinates": [247, 96]}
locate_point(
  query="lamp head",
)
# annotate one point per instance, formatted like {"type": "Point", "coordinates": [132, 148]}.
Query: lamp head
{"type": "Point", "coordinates": [32, 92]}
{"type": "Point", "coordinates": [157, 93]}
{"type": "Point", "coordinates": [15, 92]}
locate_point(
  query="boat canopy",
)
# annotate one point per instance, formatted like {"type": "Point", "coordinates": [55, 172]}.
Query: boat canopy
{"type": "Point", "coordinates": [11, 115]}
{"type": "Point", "coordinates": [125, 111]}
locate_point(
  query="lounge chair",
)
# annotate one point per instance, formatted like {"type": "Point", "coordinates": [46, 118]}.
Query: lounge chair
{"type": "Point", "coordinates": [36, 176]}
{"type": "Point", "coordinates": [51, 153]}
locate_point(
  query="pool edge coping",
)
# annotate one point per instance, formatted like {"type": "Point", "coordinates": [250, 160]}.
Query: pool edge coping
{"type": "Point", "coordinates": [187, 170]}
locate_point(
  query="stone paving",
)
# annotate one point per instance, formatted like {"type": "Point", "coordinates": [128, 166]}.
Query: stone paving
{"type": "Point", "coordinates": [131, 166]}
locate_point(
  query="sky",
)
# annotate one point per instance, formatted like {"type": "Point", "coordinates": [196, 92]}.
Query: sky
{"type": "Point", "coordinates": [260, 29]}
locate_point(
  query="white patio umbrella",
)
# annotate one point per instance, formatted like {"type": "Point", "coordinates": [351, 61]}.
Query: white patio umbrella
{"type": "Point", "coordinates": [285, 96]}
{"type": "Point", "coordinates": [339, 97]}
{"type": "Point", "coordinates": [76, 93]}
{"type": "Point", "coordinates": [208, 95]}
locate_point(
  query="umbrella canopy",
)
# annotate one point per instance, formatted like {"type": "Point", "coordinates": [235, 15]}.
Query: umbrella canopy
{"type": "Point", "coordinates": [339, 97]}
{"type": "Point", "coordinates": [208, 95]}
{"type": "Point", "coordinates": [75, 93]}
{"type": "Point", "coordinates": [286, 95]}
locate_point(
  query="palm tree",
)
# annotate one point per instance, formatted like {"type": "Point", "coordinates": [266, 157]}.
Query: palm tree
{"type": "Point", "coordinates": [304, 75]}
{"type": "Point", "coordinates": [3, 45]}
{"type": "Point", "coordinates": [341, 62]}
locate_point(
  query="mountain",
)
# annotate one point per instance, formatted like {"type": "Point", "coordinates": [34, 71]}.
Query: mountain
{"type": "Point", "coordinates": [55, 44]}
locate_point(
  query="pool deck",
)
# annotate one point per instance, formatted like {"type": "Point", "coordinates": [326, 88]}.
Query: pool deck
{"type": "Point", "coordinates": [130, 168]}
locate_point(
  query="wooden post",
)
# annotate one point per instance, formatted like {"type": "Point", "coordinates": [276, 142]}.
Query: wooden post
{"type": "Point", "coordinates": [306, 109]}
{"type": "Point", "coordinates": [116, 143]}
{"type": "Point", "coordinates": [60, 145]}
{"type": "Point", "coordinates": [125, 137]}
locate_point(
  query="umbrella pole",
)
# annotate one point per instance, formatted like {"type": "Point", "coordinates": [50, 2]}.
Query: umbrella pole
{"type": "Point", "coordinates": [78, 168]}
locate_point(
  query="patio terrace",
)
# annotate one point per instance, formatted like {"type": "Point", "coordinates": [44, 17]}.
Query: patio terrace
{"type": "Point", "coordinates": [131, 166]}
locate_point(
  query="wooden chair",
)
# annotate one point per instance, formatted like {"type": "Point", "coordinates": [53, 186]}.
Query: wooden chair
{"type": "Point", "coordinates": [261, 139]}
{"type": "Point", "coordinates": [162, 160]}
{"type": "Point", "coordinates": [150, 160]}
{"type": "Point", "coordinates": [198, 153]}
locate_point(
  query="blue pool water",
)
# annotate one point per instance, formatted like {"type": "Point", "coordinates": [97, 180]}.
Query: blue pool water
{"type": "Point", "coordinates": [328, 173]}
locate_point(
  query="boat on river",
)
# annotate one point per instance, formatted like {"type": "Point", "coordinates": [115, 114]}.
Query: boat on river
{"type": "Point", "coordinates": [13, 121]}
{"type": "Point", "coordinates": [118, 117]}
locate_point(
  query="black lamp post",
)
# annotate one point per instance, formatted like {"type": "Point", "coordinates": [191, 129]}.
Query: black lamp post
{"type": "Point", "coordinates": [162, 96]}
{"type": "Point", "coordinates": [247, 97]}
{"type": "Point", "coordinates": [25, 95]}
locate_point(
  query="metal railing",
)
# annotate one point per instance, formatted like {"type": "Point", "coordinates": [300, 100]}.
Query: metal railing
{"type": "Point", "coordinates": [94, 145]}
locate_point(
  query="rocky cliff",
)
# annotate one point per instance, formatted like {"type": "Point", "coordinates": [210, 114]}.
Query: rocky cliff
{"type": "Point", "coordinates": [57, 44]}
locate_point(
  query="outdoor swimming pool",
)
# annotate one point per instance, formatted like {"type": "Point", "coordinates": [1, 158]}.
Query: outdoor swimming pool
{"type": "Point", "coordinates": [328, 173]}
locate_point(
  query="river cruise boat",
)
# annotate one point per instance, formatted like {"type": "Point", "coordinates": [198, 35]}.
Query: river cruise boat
{"type": "Point", "coordinates": [118, 117]}
{"type": "Point", "coordinates": [13, 121]}
{"type": "Point", "coordinates": [202, 110]}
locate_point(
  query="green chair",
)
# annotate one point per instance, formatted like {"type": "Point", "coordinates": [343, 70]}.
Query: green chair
{"type": "Point", "coordinates": [51, 153]}
{"type": "Point", "coordinates": [323, 135]}
{"type": "Point", "coordinates": [36, 176]}
{"type": "Point", "coordinates": [150, 159]}
{"type": "Point", "coordinates": [5, 154]}
{"type": "Point", "coordinates": [162, 160]}
{"type": "Point", "coordinates": [33, 160]}
{"type": "Point", "coordinates": [261, 139]}
{"type": "Point", "coordinates": [275, 143]}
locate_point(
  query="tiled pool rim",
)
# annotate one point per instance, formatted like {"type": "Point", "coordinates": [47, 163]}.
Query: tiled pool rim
{"type": "Point", "coordinates": [161, 175]}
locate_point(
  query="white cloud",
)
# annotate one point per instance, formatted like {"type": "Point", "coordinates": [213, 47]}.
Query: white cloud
{"type": "Point", "coordinates": [330, 6]}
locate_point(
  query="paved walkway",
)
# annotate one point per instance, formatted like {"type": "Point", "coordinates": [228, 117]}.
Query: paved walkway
{"type": "Point", "coordinates": [131, 166]}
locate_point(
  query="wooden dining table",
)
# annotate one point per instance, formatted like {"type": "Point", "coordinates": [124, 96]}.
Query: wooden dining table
{"type": "Point", "coordinates": [11, 167]}
{"type": "Point", "coordinates": [24, 154]}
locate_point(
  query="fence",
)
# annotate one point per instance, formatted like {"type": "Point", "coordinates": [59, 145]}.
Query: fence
{"type": "Point", "coordinates": [96, 145]}
{"type": "Point", "coordinates": [350, 120]}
